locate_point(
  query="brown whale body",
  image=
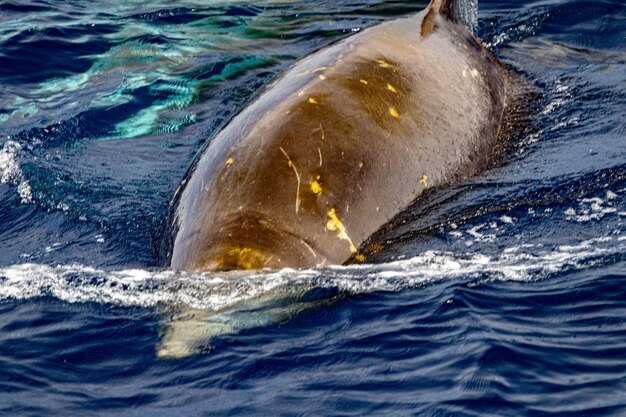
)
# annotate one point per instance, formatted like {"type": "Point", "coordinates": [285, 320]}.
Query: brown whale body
{"type": "Point", "coordinates": [341, 143]}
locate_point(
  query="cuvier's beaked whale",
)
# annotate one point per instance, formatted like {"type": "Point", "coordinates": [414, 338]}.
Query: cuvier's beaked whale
{"type": "Point", "coordinates": [343, 141]}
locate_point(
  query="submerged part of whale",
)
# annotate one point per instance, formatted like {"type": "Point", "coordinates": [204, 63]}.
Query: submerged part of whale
{"type": "Point", "coordinates": [188, 331]}
{"type": "Point", "coordinates": [339, 144]}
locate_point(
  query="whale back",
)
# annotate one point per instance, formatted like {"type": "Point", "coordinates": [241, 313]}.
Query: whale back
{"type": "Point", "coordinates": [342, 142]}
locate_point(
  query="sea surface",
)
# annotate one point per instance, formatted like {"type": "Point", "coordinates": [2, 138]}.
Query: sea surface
{"type": "Point", "coordinates": [504, 295]}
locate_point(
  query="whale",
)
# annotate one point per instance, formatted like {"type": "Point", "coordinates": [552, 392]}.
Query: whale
{"type": "Point", "coordinates": [344, 140]}
{"type": "Point", "coordinates": [329, 153]}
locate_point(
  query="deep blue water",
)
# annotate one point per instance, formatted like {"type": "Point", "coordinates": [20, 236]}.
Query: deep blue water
{"type": "Point", "coordinates": [501, 296]}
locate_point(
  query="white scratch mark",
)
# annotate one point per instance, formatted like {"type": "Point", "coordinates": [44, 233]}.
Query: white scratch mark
{"type": "Point", "coordinates": [268, 260]}
{"type": "Point", "coordinates": [293, 166]}
{"type": "Point", "coordinates": [309, 248]}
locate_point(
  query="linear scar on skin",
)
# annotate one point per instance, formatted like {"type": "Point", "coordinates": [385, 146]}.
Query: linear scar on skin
{"type": "Point", "coordinates": [307, 72]}
{"type": "Point", "coordinates": [180, 187]}
{"type": "Point", "coordinates": [295, 170]}
{"type": "Point", "coordinates": [308, 247]}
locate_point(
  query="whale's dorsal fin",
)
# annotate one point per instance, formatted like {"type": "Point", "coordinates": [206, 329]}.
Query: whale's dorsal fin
{"type": "Point", "coordinates": [457, 11]}
{"type": "Point", "coordinates": [447, 8]}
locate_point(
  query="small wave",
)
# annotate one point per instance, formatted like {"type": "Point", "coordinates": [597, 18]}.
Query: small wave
{"type": "Point", "coordinates": [11, 173]}
{"type": "Point", "coordinates": [592, 209]}
{"type": "Point", "coordinates": [148, 288]}
{"type": "Point", "coordinates": [526, 25]}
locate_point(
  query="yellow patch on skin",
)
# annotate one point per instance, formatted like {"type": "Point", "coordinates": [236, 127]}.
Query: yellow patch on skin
{"type": "Point", "coordinates": [382, 63]}
{"type": "Point", "coordinates": [394, 112]}
{"type": "Point", "coordinates": [321, 77]}
{"type": "Point", "coordinates": [230, 161]}
{"type": "Point", "coordinates": [424, 181]}
{"type": "Point", "coordinates": [391, 88]}
{"type": "Point", "coordinates": [363, 82]}
{"type": "Point", "coordinates": [316, 187]}
{"type": "Point", "coordinates": [376, 248]}
{"type": "Point", "coordinates": [360, 258]}
{"type": "Point", "coordinates": [244, 258]}
{"type": "Point", "coordinates": [335, 225]}
{"type": "Point", "coordinates": [311, 100]}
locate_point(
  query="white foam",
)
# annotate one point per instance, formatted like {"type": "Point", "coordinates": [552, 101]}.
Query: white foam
{"type": "Point", "coordinates": [563, 97]}
{"type": "Point", "coordinates": [147, 288]}
{"type": "Point", "coordinates": [592, 209]}
{"type": "Point", "coordinates": [11, 173]}
{"type": "Point", "coordinates": [507, 219]}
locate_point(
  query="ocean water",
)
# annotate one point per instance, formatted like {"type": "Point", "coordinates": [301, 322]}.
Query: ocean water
{"type": "Point", "coordinates": [504, 295]}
